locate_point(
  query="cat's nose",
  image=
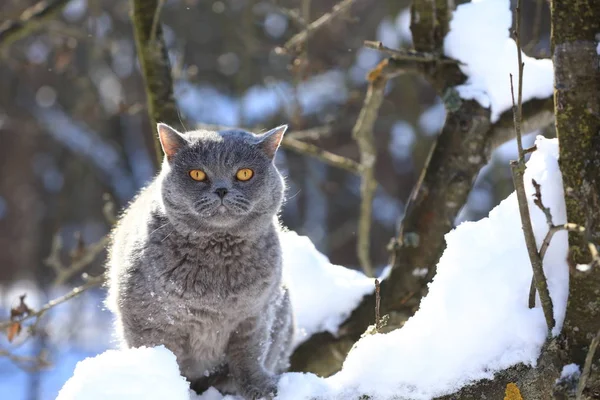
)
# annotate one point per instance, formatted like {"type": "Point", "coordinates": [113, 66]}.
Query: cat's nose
{"type": "Point", "coordinates": [221, 192]}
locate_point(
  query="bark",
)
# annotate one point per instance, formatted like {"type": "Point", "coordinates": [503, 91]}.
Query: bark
{"type": "Point", "coordinates": [575, 26]}
{"type": "Point", "coordinates": [156, 69]}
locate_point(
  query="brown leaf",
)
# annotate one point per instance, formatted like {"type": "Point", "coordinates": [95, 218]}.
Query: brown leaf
{"type": "Point", "coordinates": [21, 310]}
{"type": "Point", "coordinates": [13, 330]}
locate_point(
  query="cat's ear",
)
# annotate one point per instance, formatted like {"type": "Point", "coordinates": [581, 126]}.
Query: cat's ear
{"type": "Point", "coordinates": [170, 140]}
{"type": "Point", "coordinates": [269, 141]}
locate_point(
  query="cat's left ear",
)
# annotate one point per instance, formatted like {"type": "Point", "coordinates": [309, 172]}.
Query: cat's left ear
{"type": "Point", "coordinates": [270, 141]}
{"type": "Point", "coordinates": [170, 140]}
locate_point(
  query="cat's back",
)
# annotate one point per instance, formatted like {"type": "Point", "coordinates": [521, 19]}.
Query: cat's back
{"type": "Point", "coordinates": [130, 237]}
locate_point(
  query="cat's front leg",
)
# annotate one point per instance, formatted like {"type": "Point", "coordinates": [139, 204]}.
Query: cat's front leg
{"type": "Point", "coordinates": [246, 353]}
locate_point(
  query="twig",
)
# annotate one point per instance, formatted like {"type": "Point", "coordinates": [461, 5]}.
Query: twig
{"type": "Point", "coordinates": [587, 366]}
{"type": "Point", "coordinates": [295, 41]}
{"type": "Point", "coordinates": [518, 171]}
{"type": "Point", "coordinates": [30, 20]}
{"type": "Point", "coordinates": [84, 257]}
{"type": "Point", "coordinates": [409, 55]}
{"type": "Point", "coordinates": [363, 135]}
{"type": "Point", "coordinates": [28, 364]}
{"type": "Point", "coordinates": [91, 282]}
{"type": "Point", "coordinates": [377, 305]}
{"type": "Point", "coordinates": [155, 19]}
{"type": "Point", "coordinates": [325, 156]}
{"type": "Point", "coordinates": [294, 15]}
{"type": "Point", "coordinates": [311, 133]}
{"type": "Point", "coordinates": [290, 143]}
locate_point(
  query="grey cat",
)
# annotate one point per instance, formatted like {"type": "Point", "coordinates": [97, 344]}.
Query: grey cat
{"type": "Point", "coordinates": [195, 262]}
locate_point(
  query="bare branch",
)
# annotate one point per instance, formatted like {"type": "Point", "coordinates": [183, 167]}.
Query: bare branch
{"type": "Point", "coordinates": [155, 19]}
{"type": "Point", "coordinates": [30, 20]}
{"type": "Point", "coordinates": [91, 282]}
{"type": "Point", "coordinates": [409, 55]}
{"type": "Point", "coordinates": [26, 363]}
{"type": "Point", "coordinates": [518, 171]}
{"type": "Point", "coordinates": [156, 68]}
{"type": "Point", "coordinates": [587, 367]}
{"type": "Point", "coordinates": [363, 135]}
{"type": "Point", "coordinates": [84, 257]}
{"type": "Point", "coordinates": [301, 37]}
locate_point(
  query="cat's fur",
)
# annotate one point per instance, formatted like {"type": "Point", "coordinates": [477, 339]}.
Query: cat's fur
{"type": "Point", "coordinates": [201, 275]}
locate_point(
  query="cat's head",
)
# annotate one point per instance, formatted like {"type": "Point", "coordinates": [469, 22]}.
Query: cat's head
{"type": "Point", "coordinates": [220, 181]}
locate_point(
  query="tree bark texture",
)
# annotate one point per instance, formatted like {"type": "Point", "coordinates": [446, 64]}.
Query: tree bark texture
{"type": "Point", "coordinates": [156, 69]}
{"type": "Point", "coordinates": [575, 36]}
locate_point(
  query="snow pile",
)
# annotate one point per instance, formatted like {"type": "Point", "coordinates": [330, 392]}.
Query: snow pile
{"type": "Point", "coordinates": [479, 38]}
{"type": "Point", "coordinates": [475, 320]}
{"type": "Point", "coordinates": [323, 294]}
{"type": "Point", "coordinates": [134, 374]}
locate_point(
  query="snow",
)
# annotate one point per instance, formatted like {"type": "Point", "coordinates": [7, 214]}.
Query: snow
{"type": "Point", "coordinates": [133, 374]}
{"type": "Point", "coordinates": [479, 38]}
{"type": "Point", "coordinates": [570, 370]}
{"type": "Point", "coordinates": [474, 322]}
{"type": "Point", "coordinates": [323, 294]}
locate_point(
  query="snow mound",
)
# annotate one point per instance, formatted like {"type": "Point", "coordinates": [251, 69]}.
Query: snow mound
{"type": "Point", "coordinates": [133, 374]}
{"type": "Point", "coordinates": [479, 38]}
{"type": "Point", "coordinates": [323, 294]}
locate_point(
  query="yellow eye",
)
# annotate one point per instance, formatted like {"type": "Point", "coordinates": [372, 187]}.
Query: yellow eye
{"type": "Point", "coordinates": [244, 174]}
{"type": "Point", "coordinates": [198, 175]}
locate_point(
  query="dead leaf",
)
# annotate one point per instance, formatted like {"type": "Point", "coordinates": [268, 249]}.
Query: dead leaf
{"type": "Point", "coordinates": [21, 310]}
{"type": "Point", "coordinates": [13, 330]}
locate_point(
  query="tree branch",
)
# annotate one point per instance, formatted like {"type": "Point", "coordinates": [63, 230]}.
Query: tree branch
{"type": "Point", "coordinates": [90, 283]}
{"type": "Point", "coordinates": [363, 135]}
{"type": "Point", "coordinates": [518, 171]}
{"type": "Point", "coordinates": [156, 69]}
{"type": "Point", "coordinates": [298, 39]}
{"type": "Point", "coordinates": [30, 20]}
{"type": "Point", "coordinates": [409, 55]}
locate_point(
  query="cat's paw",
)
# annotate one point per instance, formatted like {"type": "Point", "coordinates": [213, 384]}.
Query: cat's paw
{"type": "Point", "coordinates": [264, 388]}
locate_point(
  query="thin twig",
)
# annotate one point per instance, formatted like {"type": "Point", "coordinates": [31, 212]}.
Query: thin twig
{"type": "Point", "coordinates": [316, 133]}
{"type": "Point", "coordinates": [518, 171]}
{"type": "Point", "coordinates": [363, 135]}
{"type": "Point", "coordinates": [408, 55]}
{"type": "Point", "coordinates": [294, 15]}
{"type": "Point", "coordinates": [26, 363]}
{"type": "Point", "coordinates": [587, 366]}
{"type": "Point", "coordinates": [91, 282]}
{"type": "Point", "coordinates": [301, 37]}
{"type": "Point", "coordinates": [82, 260]}
{"type": "Point", "coordinates": [155, 19]}
{"type": "Point", "coordinates": [377, 305]}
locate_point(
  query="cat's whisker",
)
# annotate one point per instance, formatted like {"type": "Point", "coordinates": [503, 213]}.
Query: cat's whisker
{"type": "Point", "coordinates": [160, 227]}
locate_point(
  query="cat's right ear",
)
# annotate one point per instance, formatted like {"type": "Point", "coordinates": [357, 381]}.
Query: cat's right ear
{"type": "Point", "coordinates": [170, 140]}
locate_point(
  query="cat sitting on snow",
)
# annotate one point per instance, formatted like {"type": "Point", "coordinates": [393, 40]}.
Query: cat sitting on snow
{"type": "Point", "coordinates": [195, 262]}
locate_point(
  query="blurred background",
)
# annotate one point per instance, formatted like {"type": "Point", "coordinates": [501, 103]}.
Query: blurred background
{"type": "Point", "coordinates": [74, 134]}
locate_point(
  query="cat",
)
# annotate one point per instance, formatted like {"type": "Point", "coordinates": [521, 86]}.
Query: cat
{"type": "Point", "coordinates": [195, 262]}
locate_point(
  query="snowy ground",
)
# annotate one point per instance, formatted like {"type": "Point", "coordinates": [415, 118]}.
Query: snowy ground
{"type": "Point", "coordinates": [474, 322]}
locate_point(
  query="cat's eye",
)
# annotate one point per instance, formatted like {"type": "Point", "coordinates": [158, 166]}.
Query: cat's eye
{"type": "Point", "coordinates": [198, 175]}
{"type": "Point", "coordinates": [244, 174]}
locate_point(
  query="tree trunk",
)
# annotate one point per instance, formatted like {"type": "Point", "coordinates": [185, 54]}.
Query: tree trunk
{"type": "Point", "coordinates": [575, 29]}
{"type": "Point", "coordinates": [156, 69]}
